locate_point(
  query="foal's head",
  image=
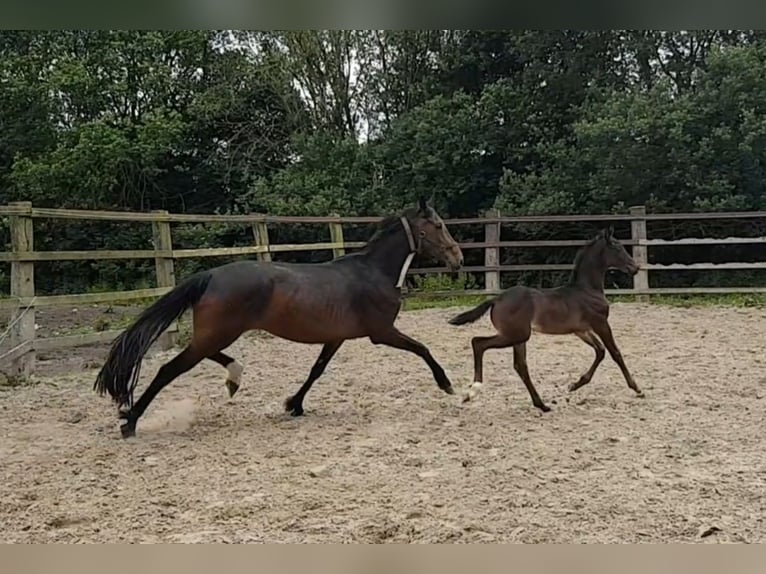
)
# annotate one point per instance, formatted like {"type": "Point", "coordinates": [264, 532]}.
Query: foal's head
{"type": "Point", "coordinates": [614, 253]}
{"type": "Point", "coordinates": [433, 238]}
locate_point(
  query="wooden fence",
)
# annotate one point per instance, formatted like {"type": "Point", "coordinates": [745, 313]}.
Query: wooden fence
{"type": "Point", "coordinates": [23, 298]}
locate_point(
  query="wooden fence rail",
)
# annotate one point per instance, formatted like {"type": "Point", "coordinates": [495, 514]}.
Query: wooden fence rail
{"type": "Point", "coordinates": [23, 299]}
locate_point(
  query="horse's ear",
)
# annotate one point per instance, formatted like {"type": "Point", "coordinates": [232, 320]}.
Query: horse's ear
{"type": "Point", "coordinates": [610, 232]}
{"type": "Point", "coordinates": [422, 204]}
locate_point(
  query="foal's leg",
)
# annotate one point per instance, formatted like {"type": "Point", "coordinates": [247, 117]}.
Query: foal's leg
{"type": "Point", "coordinates": [235, 371]}
{"type": "Point", "coordinates": [605, 332]}
{"type": "Point", "coordinates": [479, 345]}
{"type": "Point", "coordinates": [520, 364]}
{"type": "Point", "coordinates": [294, 405]}
{"type": "Point", "coordinates": [590, 338]}
{"type": "Point", "coordinates": [181, 363]}
{"type": "Point", "coordinates": [398, 340]}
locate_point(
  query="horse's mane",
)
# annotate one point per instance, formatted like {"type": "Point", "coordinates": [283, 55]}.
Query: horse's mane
{"type": "Point", "coordinates": [388, 226]}
{"type": "Point", "coordinates": [384, 229]}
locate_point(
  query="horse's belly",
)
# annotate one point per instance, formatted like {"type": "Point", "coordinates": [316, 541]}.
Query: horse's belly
{"type": "Point", "coordinates": [308, 332]}
{"type": "Point", "coordinates": [310, 321]}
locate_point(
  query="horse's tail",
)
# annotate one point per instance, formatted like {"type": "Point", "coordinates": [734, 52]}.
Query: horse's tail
{"type": "Point", "coordinates": [473, 314]}
{"type": "Point", "coordinates": [119, 374]}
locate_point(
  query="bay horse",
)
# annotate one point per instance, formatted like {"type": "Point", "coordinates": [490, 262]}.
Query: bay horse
{"type": "Point", "coordinates": [578, 308]}
{"type": "Point", "coordinates": [350, 297]}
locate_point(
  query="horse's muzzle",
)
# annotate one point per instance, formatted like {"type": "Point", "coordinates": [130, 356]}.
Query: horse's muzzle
{"type": "Point", "coordinates": [454, 258]}
{"type": "Point", "coordinates": [455, 263]}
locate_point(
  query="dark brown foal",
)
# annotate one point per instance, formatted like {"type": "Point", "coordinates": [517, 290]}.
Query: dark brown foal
{"type": "Point", "coordinates": [579, 308]}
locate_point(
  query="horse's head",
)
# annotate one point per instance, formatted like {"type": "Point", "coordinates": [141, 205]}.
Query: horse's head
{"type": "Point", "coordinates": [433, 238]}
{"type": "Point", "coordinates": [615, 255]}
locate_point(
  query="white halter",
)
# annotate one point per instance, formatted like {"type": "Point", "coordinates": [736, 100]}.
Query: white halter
{"type": "Point", "coordinates": [413, 251]}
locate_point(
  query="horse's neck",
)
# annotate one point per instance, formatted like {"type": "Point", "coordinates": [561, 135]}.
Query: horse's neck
{"type": "Point", "coordinates": [590, 273]}
{"type": "Point", "coordinates": [391, 255]}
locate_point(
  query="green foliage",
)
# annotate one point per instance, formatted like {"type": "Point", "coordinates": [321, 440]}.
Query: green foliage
{"type": "Point", "coordinates": [332, 175]}
{"type": "Point", "coordinates": [554, 121]}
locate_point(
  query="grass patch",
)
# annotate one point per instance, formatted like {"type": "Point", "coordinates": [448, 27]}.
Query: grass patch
{"type": "Point", "coordinates": [431, 301]}
{"type": "Point", "coordinates": [426, 296]}
{"type": "Point", "coordinates": [426, 300]}
{"type": "Point", "coordinates": [749, 300]}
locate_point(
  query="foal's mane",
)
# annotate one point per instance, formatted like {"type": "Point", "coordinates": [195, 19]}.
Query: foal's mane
{"type": "Point", "coordinates": [580, 257]}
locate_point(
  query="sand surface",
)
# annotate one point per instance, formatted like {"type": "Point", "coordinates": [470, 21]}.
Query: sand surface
{"type": "Point", "coordinates": [382, 455]}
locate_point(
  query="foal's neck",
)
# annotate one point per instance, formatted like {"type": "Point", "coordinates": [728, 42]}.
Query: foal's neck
{"type": "Point", "coordinates": [590, 272]}
{"type": "Point", "coordinates": [390, 253]}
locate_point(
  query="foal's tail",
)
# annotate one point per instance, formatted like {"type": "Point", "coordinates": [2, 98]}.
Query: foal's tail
{"type": "Point", "coordinates": [474, 314]}
{"type": "Point", "coordinates": [119, 375]}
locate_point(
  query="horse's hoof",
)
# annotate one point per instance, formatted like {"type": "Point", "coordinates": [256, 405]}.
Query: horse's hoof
{"type": "Point", "coordinates": [544, 408]}
{"type": "Point", "coordinates": [128, 429]}
{"type": "Point", "coordinates": [449, 390]}
{"type": "Point", "coordinates": [232, 387]}
{"type": "Point", "coordinates": [640, 395]}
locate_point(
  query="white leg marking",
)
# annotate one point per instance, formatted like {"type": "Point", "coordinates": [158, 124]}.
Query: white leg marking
{"type": "Point", "coordinates": [235, 372]}
{"type": "Point", "coordinates": [471, 391]}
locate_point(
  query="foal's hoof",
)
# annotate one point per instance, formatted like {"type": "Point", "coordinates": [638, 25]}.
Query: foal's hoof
{"type": "Point", "coordinates": [448, 389]}
{"type": "Point", "coordinates": [471, 392]}
{"type": "Point", "coordinates": [232, 387]}
{"type": "Point", "coordinates": [128, 429]}
{"type": "Point", "coordinates": [640, 395]}
{"type": "Point", "coordinates": [544, 408]}
{"type": "Point", "coordinates": [294, 407]}
{"type": "Point", "coordinates": [574, 386]}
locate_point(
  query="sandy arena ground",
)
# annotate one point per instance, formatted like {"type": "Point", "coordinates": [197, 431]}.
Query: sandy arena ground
{"type": "Point", "coordinates": [383, 456]}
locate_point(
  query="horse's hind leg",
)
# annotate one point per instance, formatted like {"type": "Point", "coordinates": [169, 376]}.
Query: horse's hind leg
{"type": "Point", "coordinates": [294, 405]}
{"type": "Point", "coordinates": [480, 345]}
{"type": "Point", "coordinates": [234, 378]}
{"type": "Point", "coordinates": [590, 338]}
{"type": "Point", "coordinates": [181, 363]}
{"type": "Point", "coordinates": [520, 364]}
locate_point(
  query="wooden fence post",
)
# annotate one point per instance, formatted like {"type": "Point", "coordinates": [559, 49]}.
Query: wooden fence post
{"type": "Point", "coordinates": [492, 254]}
{"type": "Point", "coordinates": [165, 270]}
{"type": "Point", "coordinates": [261, 235]}
{"type": "Point", "coordinates": [336, 236]}
{"type": "Point", "coordinates": [23, 287]}
{"type": "Point", "coordinates": [640, 252]}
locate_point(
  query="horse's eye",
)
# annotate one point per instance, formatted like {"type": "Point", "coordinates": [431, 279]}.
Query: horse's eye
{"type": "Point", "coordinates": [439, 225]}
